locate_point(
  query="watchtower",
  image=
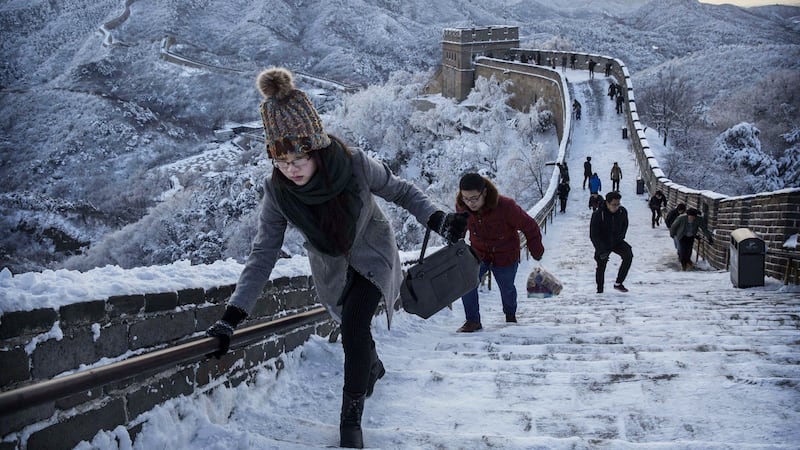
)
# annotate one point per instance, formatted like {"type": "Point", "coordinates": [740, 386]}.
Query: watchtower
{"type": "Point", "coordinates": [460, 46]}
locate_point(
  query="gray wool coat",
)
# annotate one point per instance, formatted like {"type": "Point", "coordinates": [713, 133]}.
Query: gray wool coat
{"type": "Point", "coordinates": [373, 254]}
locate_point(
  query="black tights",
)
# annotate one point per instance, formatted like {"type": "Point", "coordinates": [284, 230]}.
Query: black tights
{"type": "Point", "coordinates": [360, 303]}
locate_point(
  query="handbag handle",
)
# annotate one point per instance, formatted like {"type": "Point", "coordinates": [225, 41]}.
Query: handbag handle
{"type": "Point", "coordinates": [424, 244]}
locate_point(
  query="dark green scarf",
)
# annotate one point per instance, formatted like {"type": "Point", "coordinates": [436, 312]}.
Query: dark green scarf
{"type": "Point", "coordinates": [313, 208]}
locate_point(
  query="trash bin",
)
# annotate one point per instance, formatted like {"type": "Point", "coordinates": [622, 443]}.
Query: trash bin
{"type": "Point", "coordinates": [639, 186]}
{"type": "Point", "coordinates": [748, 253]}
{"type": "Point", "coordinates": [624, 133]}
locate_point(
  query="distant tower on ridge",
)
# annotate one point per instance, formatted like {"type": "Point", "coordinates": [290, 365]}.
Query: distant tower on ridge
{"type": "Point", "coordinates": [460, 47]}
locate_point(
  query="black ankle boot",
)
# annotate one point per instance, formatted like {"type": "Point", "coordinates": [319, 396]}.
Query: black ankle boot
{"type": "Point", "coordinates": [376, 372]}
{"type": "Point", "coordinates": [350, 422]}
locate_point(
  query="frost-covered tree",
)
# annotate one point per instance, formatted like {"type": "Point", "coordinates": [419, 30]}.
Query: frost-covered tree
{"type": "Point", "coordinates": [789, 163]}
{"type": "Point", "coordinates": [669, 104]}
{"type": "Point", "coordinates": [739, 148]}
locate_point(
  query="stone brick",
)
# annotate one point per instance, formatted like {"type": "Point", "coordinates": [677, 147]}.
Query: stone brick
{"type": "Point", "coordinates": [297, 299]}
{"type": "Point", "coordinates": [301, 283]}
{"type": "Point", "coordinates": [82, 427]}
{"type": "Point", "coordinates": [282, 284]}
{"type": "Point", "coordinates": [220, 294]}
{"type": "Point", "coordinates": [20, 323]}
{"type": "Point", "coordinates": [52, 357]}
{"type": "Point", "coordinates": [156, 392]}
{"type": "Point", "coordinates": [84, 312]}
{"type": "Point", "coordinates": [266, 306]}
{"type": "Point", "coordinates": [212, 368]}
{"type": "Point", "coordinates": [74, 400]}
{"type": "Point", "coordinates": [161, 329]}
{"type": "Point", "coordinates": [113, 341]}
{"type": "Point", "coordinates": [206, 316]}
{"type": "Point", "coordinates": [297, 337]}
{"type": "Point", "coordinates": [194, 296]}
{"type": "Point", "coordinates": [164, 301]}
{"type": "Point", "coordinates": [256, 355]}
{"type": "Point", "coordinates": [16, 368]}
{"type": "Point", "coordinates": [123, 305]}
{"type": "Point", "coordinates": [24, 417]}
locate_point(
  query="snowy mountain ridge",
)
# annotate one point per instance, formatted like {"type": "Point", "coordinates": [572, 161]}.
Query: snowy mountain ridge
{"type": "Point", "coordinates": [93, 124]}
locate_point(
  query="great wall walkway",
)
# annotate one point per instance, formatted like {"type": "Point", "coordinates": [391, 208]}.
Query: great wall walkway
{"type": "Point", "coordinates": [682, 361]}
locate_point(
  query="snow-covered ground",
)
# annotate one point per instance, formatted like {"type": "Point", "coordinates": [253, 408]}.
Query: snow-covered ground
{"type": "Point", "coordinates": [682, 361]}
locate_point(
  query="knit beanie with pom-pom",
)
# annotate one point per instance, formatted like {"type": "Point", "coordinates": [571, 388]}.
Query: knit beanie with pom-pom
{"type": "Point", "coordinates": [291, 124]}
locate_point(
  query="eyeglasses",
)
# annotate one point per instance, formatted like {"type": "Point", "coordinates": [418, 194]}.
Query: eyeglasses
{"type": "Point", "coordinates": [298, 163]}
{"type": "Point", "coordinates": [473, 199]}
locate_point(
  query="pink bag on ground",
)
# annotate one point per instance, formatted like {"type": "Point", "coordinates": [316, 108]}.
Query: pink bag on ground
{"type": "Point", "coordinates": [542, 283]}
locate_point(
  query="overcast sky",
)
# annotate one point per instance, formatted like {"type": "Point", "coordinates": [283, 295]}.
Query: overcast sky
{"type": "Point", "coordinates": [747, 3]}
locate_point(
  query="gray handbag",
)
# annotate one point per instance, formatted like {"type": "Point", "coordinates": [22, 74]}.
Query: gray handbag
{"type": "Point", "coordinates": [438, 280]}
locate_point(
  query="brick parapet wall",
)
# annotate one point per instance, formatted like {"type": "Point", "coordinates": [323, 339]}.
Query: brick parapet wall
{"type": "Point", "coordinates": [529, 84]}
{"type": "Point", "coordinates": [112, 329]}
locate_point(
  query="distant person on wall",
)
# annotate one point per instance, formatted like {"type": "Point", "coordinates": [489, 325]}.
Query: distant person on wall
{"type": "Point", "coordinates": [607, 71]}
{"type": "Point", "coordinates": [591, 64]}
{"type": "Point", "coordinates": [587, 171]}
{"type": "Point", "coordinates": [656, 202]}
{"type": "Point", "coordinates": [607, 231]}
{"type": "Point", "coordinates": [674, 213]}
{"type": "Point", "coordinates": [595, 185]}
{"type": "Point", "coordinates": [616, 176]}
{"type": "Point", "coordinates": [684, 230]}
{"type": "Point", "coordinates": [563, 192]}
{"type": "Point", "coordinates": [494, 224]}
{"type": "Point", "coordinates": [576, 109]}
{"type": "Point", "coordinates": [563, 172]}
{"type": "Point", "coordinates": [594, 201]}
{"type": "Point", "coordinates": [670, 219]}
{"type": "Point", "coordinates": [612, 90]}
{"type": "Point", "coordinates": [327, 191]}
{"type": "Point", "coordinates": [620, 101]}
{"type": "Point", "coordinates": [572, 60]}
{"type": "Point", "coordinates": [564, 63]}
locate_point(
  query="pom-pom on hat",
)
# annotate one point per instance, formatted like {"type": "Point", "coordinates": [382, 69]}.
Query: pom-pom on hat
{"type": "Point", "coordinates": [291, 124]}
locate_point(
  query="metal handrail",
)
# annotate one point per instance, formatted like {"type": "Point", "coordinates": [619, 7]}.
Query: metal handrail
{"type": "Point", "coordinates": [53, 389]}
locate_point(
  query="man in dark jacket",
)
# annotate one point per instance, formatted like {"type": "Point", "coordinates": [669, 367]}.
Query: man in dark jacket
{"type": "Point", "coordinates": [607, 231]}
{"type": "Point", "coordinates": [587, 170]}
{"type": "Point", "coordinates": [494, 224]}
{"type": "Point", "coordinates": [563, 192]}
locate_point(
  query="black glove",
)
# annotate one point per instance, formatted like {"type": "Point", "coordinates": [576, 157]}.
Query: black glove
{"type": "Point", "coordinates": [223, 329]}
{"type": "Point", "coordinates": [451, 226]}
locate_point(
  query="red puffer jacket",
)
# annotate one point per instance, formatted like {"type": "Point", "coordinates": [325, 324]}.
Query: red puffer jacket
{"type": "Point", "coordinates": [494, 230]}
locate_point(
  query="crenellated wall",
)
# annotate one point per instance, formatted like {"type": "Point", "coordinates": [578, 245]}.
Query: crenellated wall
{"type": "Point", "coordinates": [773, 216]}
{"type": "Point", "coordinates": [101, 331]}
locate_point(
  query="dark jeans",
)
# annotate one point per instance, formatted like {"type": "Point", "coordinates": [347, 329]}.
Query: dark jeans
{"type": "Point", "coordinates": [685, 245]}
{"type": "Point", "coordinates": [614, 185]}
{"type": "Point", "coordinates": [563, 201]}
{"type": "Point", "coordinates": [585, 179]}
{"type": "Point", "coordinates": [505, 282]}
{"type": "Point", "coordinates": [360, 302]}
{"type": "Point", "coordinates": [656, 216]}
{"type": "Point", "coordinates": [624, 250]}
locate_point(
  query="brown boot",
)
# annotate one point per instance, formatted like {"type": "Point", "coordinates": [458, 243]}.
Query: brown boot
{"type": "Point", "coordinates": [469, 327]}
{"type": "Point", "coordinates": [350, 421]}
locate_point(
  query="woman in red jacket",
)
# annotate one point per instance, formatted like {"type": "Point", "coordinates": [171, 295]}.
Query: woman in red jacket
{"type": "Point", "coordinates": [494, 224]}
